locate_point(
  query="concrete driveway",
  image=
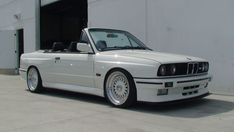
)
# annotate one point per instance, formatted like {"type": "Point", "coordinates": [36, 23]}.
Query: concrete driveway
{"type": "Point", "coordinates": [60, 111]}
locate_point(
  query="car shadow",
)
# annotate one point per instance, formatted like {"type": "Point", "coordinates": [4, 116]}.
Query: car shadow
{"type": "Point", "coordinates": [75, 96]}
{"type": "Point", "coordinates": [192, 109]}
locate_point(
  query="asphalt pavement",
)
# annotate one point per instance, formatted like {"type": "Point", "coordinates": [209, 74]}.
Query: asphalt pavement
{"type": "Point", "coordinates": [61, 111]}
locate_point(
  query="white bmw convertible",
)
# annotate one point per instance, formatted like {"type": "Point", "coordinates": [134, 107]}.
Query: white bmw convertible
{"type": "Point", "coordinates": [116, 65]}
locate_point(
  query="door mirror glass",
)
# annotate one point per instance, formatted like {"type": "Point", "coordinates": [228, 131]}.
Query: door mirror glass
{"type": "Point", "coordinates": [84, 47]}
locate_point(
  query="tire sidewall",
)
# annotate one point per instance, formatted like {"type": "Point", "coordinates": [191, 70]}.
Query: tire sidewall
{"type": "Point", "coordinates": [39, 84]}
{"type": "Point", "coordinates": [132, 89]}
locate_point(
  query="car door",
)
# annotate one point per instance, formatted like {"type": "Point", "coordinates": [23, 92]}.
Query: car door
{"type": "Point", "coordinates": [74, 68]}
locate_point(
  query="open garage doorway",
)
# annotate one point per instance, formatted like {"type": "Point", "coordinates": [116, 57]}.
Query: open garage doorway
{"type": "Point", "coordinates": [20, 34]}
{"type": "Point", "coordinates": [62, 21]}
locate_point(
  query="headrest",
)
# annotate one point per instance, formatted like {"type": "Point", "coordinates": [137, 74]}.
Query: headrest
{"type": "Point", "coordinates": [58, 46]}
{"type": "Point", "coordinates": [72, 47]}
{"type": "Point", "coordinates": [101, 44]}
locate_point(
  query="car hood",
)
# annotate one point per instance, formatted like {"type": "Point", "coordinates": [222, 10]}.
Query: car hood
{"type": "Point", "coordinates": [154, 56]}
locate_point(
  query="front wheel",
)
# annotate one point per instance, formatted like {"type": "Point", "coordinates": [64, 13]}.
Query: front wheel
{"type": "Point", "coordinates": [34, 80]}
{"type": "Point", "coordinates": [120, 89]}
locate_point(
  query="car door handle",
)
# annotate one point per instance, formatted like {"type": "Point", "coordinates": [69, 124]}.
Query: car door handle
{"type": "Point", "coordinates": [57, 58]}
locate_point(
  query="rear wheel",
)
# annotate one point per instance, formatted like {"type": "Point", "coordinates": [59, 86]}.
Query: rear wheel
{"type": "Point", "coordinates": [34, 80]}
{"type": "Point", "coordinates": [120, 89]}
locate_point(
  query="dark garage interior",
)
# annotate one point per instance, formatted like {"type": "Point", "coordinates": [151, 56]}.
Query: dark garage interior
{"type": "Point", "coordinates": [62, 21]}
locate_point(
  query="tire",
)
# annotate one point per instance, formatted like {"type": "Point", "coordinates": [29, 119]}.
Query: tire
{"type": "Point", "coordinates": [120, 89]}
{"type": "Point", "coordinates": [34, 80]}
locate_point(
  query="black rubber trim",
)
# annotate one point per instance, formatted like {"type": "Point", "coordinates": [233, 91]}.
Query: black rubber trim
{"type": "Point", "coordinates": [22, 70]}
{"type": "Point", "coordinates": [170, 77]}
{"type": "Point", "coordinates": [98, 74]}
{"type": "Point", "coordinates": [193, 80]}
{"type": "Point", "coordinates": [180, 100]}
{"type": "Point", "coordinates": [153, 83]}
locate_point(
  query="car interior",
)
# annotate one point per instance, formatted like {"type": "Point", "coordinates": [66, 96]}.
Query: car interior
{"type": "Point", "coordinates": [101, 45]}
{"type": "Point", "coordinates": [59, 47]}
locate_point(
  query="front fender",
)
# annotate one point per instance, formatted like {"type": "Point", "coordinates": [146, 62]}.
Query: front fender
{"type": "Point", "coordinates": [137, 67]}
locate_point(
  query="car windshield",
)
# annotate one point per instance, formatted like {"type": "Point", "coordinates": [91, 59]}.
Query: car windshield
{"type": "Point", "coordinates": [107, 39]}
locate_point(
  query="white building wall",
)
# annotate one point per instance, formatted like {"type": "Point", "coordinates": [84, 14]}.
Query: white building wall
{"type": "Point", "coordinates": [8, 56]}
{"type": "Point", "coordinates": [26, 11]}
{"type": "Point", "coordinates": [202, 28]}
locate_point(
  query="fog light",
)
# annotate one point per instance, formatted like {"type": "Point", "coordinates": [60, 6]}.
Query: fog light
{"type": "Point", "coordinates": [168, 84]}
{"type": "Point", "coordinates": [162, 92]}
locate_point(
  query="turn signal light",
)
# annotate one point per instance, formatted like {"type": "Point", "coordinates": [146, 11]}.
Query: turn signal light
{"type": "Point", "coordinates": [168, 84]}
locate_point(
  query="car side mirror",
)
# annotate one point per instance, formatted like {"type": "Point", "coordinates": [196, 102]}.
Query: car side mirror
{"type": "Point", "coordinates": [83, 47]}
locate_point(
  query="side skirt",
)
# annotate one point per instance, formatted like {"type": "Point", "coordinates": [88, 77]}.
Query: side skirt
{"type": "Point", "coordinates": [75, 88]}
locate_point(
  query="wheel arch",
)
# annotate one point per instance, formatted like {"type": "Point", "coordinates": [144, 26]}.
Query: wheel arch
{"type": "Point", "coordinates": [33, 67]}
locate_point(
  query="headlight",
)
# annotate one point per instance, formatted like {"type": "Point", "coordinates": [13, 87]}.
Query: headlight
{"type": "Point", "coordinates": [162, 70]}
{"type": "Point", "coordinates": [206, 67]}
{"type": "Point", "coordinates": [167, 70]}
{"type": "Point", "coordinates": [203, 67]}
{"type": "Point", "coordinates": [187, 68]}
{"type": "Point", "coordinates": [173, 69]}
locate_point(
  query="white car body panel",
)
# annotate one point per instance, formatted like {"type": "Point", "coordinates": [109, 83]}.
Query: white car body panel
{"type": "Point", "coordinates": [86, 73]}
{"type": "Point", "coordinates": [74, 69]}
{"type": "Point", "coordinates": [160, 57]}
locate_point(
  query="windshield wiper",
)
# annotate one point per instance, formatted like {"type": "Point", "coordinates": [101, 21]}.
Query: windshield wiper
{"type": "Point", "coordinates": [111, 48]}
{"type": "Point", "coordinates": [129, 47]}
{"type": "Point", "coordinates": [125, 48]}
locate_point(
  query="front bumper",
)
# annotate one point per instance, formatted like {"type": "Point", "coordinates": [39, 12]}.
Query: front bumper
{"type": "Point", "coordinates": [148, 90]}
{"type": "Point", "coordinates": [23, 73]}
